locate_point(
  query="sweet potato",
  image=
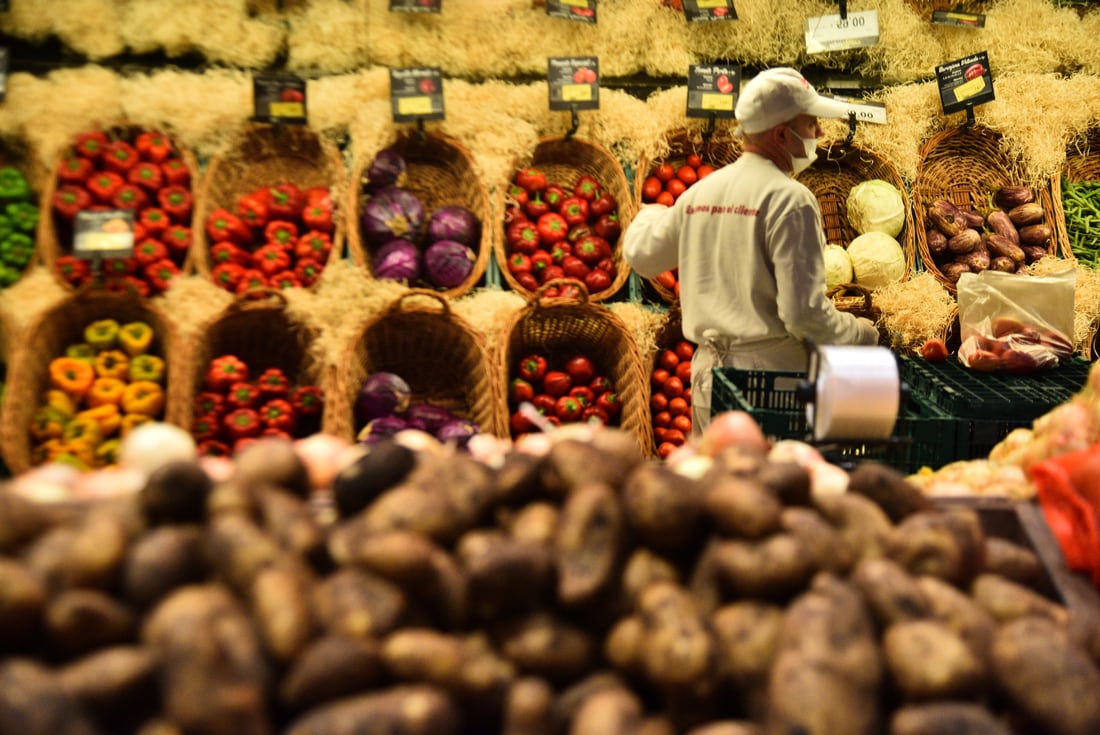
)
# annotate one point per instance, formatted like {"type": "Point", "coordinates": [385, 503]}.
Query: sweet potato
{"type": "Point", "coordinates": [331, 667]}
{"type": "Point", "coordinates": [82, 620]}
{"type": "Point", "coordinates": [22, 600]}
{"type": "Point", "coordinates": [281, 610]}
{"type": "Point", "coordinates": [113, 682]}
{"type": "Point", "coordinates": [356, 603]}
{"type": "Point", "coordinates": [742, 507]}
{"type": "Point", "coordinates": [891, 593]}
{"type": "Point", "coordinates": [589, 542]}
{"type": "Point", "coordinates": [948, 544]}
{"type": "Point", "coordinates": [927, 661]}
{"type": "Point", "coordinates": [159, 561]}
{"type": "Point", "coordinates": [33, 702]}
{"type": "Point", "coordinates": [399, 710]}
{"type": "Point", "coordinates": [663, 508]}
{"type": "Point", "coordinates": [937, 718]}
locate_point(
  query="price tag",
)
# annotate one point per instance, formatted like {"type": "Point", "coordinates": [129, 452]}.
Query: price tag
{"type": "Point", "coordinates": [866, 111]}
{"type": "Point", "coordinates": [712, 90]}
{"type": "Point", "coordinates": [5, 58]}
{"type": "Point", "coordinates": [579, 10]}
{"type": "Point", "coordinates": [279, 98]}
{"type": "Point", "coordinates": [416, 6]}
{"type": "Point", "coordinates": [965, 82]}
{"type": "Point", "coordinates": [416, 93]}
{"type": "Point", "coordinates": [574, 82]}
{"type": "Point", "coordinates": [104, 234]}
{"type": "Point", "coordinates": [958, 19]}
{"type": "Point", "coordinates": [833, 33]}
{"type": "Point", "coordinates": [698, 11]}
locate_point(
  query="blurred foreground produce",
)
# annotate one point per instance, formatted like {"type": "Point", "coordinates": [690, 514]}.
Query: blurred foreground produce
{"type": "Point", "coordinates": [558, 584]}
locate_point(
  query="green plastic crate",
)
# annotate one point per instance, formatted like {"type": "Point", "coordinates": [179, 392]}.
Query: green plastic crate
{"type": "Point", "coordinates": [770, 397]}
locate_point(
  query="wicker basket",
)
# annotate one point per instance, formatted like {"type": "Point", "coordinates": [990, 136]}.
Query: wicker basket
{"type": "Point", "coordinates": [564, 160]}
{"type": "Point", "coordinates": [262, 334]}
{"type": "Point", "coordinates": [719, 149]}
{"type": "Point", "coordinates": [56, 329]}
{"type": "Point", "coordinates": [265, 155]}
{"type": "Point", "coordinates": [442, 357]}
{"type": "Point", "coordinates": [966, 165]}
{"type": "Point", "coordinates": [859, 301]}
{"type": "Point", "coordinates": [55, 236]}
{"type": "Point", "coordinates": [1082, 165]}
{"type": "Point", "coordinates": [439, 171]}
{"type": "Point", "coordinates": [562, 326]}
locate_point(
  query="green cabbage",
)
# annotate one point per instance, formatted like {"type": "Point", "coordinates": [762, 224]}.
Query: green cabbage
{"type": "Point", "coordinates": [838, 266]}
{"type": "Point", "coordinates": [876, 206]}
{"type": "Point", "coordinates": [877, 260]}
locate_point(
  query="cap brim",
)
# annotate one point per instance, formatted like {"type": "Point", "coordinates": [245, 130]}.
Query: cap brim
{"type": "Point", "coordinates": [826, 107]}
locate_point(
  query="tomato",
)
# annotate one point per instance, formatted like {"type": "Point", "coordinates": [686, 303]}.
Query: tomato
{"type": "Point", "coordinates": [675, 437]}
{"type": "Point", "coordinates": [662, 419]}
{"type": "Point", "coordinates": [673, 387]}
{"type": "Point", "coordinates": [659, 433]}
{"type": "Point", "coordinates": [681, 423]}
{"type": "Point", "coordinates": [683, 372]}
{"type": "Point", "coordinates": [580, 369]}
{"type": "Point", "coordinates": [934, 350]}
{"type": "Point", "coordinates": [658, 402]}
{"type": "Point", "coordinates": [695, 160]}
{"type": "Point", "coordinates": [704, 171]}
{"type": "Point", "coordinates": [664, 449]}
{"type": "Point", "coordinates": [667, 279]}
{"type": "Point", "coordinates": [668, 360]}
{"type": "Point", "coordinates": [685, 349]}
{"type": "Point", "coordinates": [677, 406]}
{"type": "Point", "coordinates": [666, 199]}
{"type": "Point", "coordinates": [658, 377]}
{"type": "Point", "coordinates": [665, 172]}
{"type": "Point", "coordinates": [676, 187]}
{"type": "Point", "coordinates": [687, 175]}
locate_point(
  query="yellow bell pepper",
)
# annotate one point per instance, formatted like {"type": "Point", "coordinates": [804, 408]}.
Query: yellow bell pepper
{"type": "Point", "coordinates": [82, 431]}
{"type": "Point", "coordinates": [78, 453]}
{"type": "Point", "coordinates": [61, 402]}
{"type": "Point", "coordinates": [105, 392]}
{"type": "Point", "coordinates": [47, 423]}
{"type": "Point", "coordinates": [135, 338]}
{"type": "Point", "coordinates": [102, 334]}
{"type": "Point", "coordinates": [147, 367]}
{"type": "Point", "coordinates": [107, 453]}
{"type": "Point", "coordinates": [107, 416]}
{"type": "Point", "coordinates": [46, 451]}
{"type": "Point", "coordinates": [112, 364]}
{"type": "Point", "coordinates": [144, 397]}
{"type": "Point", "coordinates": [131, 421]}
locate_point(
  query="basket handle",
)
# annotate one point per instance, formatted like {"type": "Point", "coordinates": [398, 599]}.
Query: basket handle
{"type": "Point", "coordinates": [253, 295]}
{"type": "Point", "coordinates": [444, 304]}
{"type": "Point", "coordinates": [540, 294]}
{"type": "Point", "coordinates": [841, 288]}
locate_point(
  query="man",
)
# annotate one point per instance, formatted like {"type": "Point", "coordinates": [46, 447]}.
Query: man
{"type": "Point", "coordinates": [748, 243]}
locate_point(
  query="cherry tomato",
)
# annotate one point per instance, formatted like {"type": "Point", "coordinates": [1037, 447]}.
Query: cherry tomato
{"type": "Point", "coordinates": [681, 423]}
{"type": "Point", "coordinates": [676, 187]}
{"type": "Point", "coordinates": [675, 436]}
{"type": "Point", "coordinates": [687, 174]}
{"type": "Point", "coordinates": [673, 387]}
{"type": "Point", "coordinates": [666, 199]}
{"type": "Point", "coordinates": [683, 372]}
{"type": "Point", "coordinates": [668, 360]}
{"type": "Point", "coordinates": [662, 419]}
{"type": "Point", "coordinates": [664, 449]}
{"type": "Point", "coordinates": [685, 349]}
{"type": "Point", "coordinates": [695, 160]}
{"type": "Point", "coordinates": [704, 171]}
{"type": "Point", "coordinates": [659, 433]}
{"type": "Point", "coordinates": [665, 172]}
{"type": "Point", "coordinates": [659, 402]}
{"type": "Point", "coordinates": [659, 376]}
{"type": "Point", "coordinates": [677, 406]}
{"type": "Point", "coordinates": [651, 187]}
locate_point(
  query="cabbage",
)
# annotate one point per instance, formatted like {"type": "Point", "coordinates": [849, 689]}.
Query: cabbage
{"type": "Point", "coordinates": [447, 263]}
{"type": "Point", "coordinates": [838, 266]}
{"type": "Point", "coordinates": [876, 206]}
{"type": "Point", "coordinates": [877, 260]}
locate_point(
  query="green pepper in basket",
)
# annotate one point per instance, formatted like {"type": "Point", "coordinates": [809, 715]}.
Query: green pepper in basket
{"type": "Point", "coordinates": [9, 275]}
{"type": "Point", "coordinates": [135, 338]}
{"type": "Point", "coordinates": [13, 185]}
{"type": "Point", "coordinates": [16, 250]}
{"type": "Point", "coordinates": [6, 226]}
{"type": "Point", "coordinates": [101, 334]}
{"type": "Point", "coordinates": [147, 367]}
{"type": "Point", "coordinates": [81, 351]}
{"type": "Point", "coordinates": [23, 216]}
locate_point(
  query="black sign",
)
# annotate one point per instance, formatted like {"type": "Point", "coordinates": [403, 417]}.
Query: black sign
{"type": "Point", "coordinates": [279, 98]}
{"type": "Point", "coordinates": [965, 82]}
{"type": "Point", "coordinates": [704, 10]}
{"type": "Point", "coordinates": [574, 82]}
{"type": "Point", "coordinates": [581, 10]}
{"type": "Point", "coordinates": [958, 19]}
{"type": "Point", "coordinates": [104, 234]}
{"type": "Point", "coordinates": [712, 90]}
{"type": "Point", "coordinates": [416, 94]}
{"type": "Point", "coordinates": [416, 6]}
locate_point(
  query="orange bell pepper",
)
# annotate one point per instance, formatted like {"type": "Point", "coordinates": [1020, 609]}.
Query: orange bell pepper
{"type": "Point", "coordinates": [71, 375]}
{"type": "Point", "coordinates": [112, 364]}
{"type": "Point", "coordinates": [131, 421]}
{"type": "Point", "coordinates": [107, 416]}
{"type": "Point", "coordinates": [144, 397]}
{"type": "Point", "coordinates": [105, 392]}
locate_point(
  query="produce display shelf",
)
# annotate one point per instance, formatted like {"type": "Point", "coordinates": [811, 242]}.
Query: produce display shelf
{"type": "Point", "coordinates": [961, 392]}
{"type": "Point", "coordinates": [926, 436]}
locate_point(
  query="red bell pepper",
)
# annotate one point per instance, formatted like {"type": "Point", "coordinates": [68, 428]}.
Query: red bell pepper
{"type": "Point", "coordinates": [242, 423]}
{"type": "Point", "coordinates": [568, 409]}
{"type": "Point", "coordinates": [119, 156]}
{"type": "Point", "coordinates": [587, 187]}
{"type": "Point", "coordinates": [176, 201]}
{"type": "Point", "coordinates": [531, 179]}
{"type": "Point", "coordinates": [284, 201]}
{"type": "Point", "coordinates": [68, 199]}
{"type": "Point", "coordinates": [575, 210]}
{"type": "Point", "coordinates": [307, 400]}
{"type": "Point", "coordinates": [271, 258]}
{"type": "Point", "coordinates": [250, 280]}
{"type": "Point", "coordinates": [285, 279]}
{"type": "Point", "coordinates": [552, 227]}
{"type": "Point", "coordinates": [273, 383]}
{"type": "Point", "coordinates": [609, 403]}
{"type": "Point", "coordinates": [119, 266]}
{"type": "Point", "coordinates": [270, 431]}
{"type": "Point", "coordinates": [314, 244]}
{"type": "Point", "coordinates": [523, 236]}
{"type": "Point", "coordinates": [227, 252]}
{"type": "Point", "coordinates": [147, 175]}
{"type": "Point", "coordinates": [73, 270]}
{"type": "Point", "coordinates": [130, 196]}
{"type": "Point", "coordinates": [130, 283]}
{"type": "Point", "coordinates": [557, 383]}
{"type": "Point", "coordinates": [278, 413]}
{"type": "Point", "coordinates": [149, 251]}
{"type": "Point", "coordinates": [75, 170]}
{"type": "Point", "coordinates": [280, 231]}
{"type": "Point", "coordinates": [206, 428]}
{"type": "Point", "coordinates": [227, 275]}
{"type": "Point", "coordinates": [178, 239]}
{"type": "Point", "coordinates": [242, 395]}
{"type": "Point", "coordinates": [212, 448]}
{"type": "Point", "coordinates": [603, 204]}
{"type": "Point", "coordinates": [90, 144]}
{"type": "Point", "coordinates": [209, 403]}
{"type": "Point", "coordinates": [308, 271]}
{"type": "Point", "coordinates": [153, 146]}
{"type": "Point", "coordinates": [519, 263]}
{"type": "Point", "coordinates": [597, 280]}
{"type": "Point", "coordinates": [160, 273]}
{"type": "Point", "coordinates": [520, 391]}
{"type": "Point", "coordinates": [221, 224]}
{"type": "Point", "coordinates": [154, 220]}
{"type": "Point", "coordinates": [104, 185]}
{"type": "Point", "coordinates": [252, 208]}
{"type": "Point", "coordinates": [554, 196]}
{"type": "Point", "coordinates": [318, 216]}
{"type": "Point", "coordinates": [223, 372]}
{"type": "Point", "coordinates": [176, 172]}
{"type": "Point", "coordinates": [536, 206]}
{"type": "Point", "coordinates": [532, 368]}
{"type": "Point", "coordinates": [516, 197]}
{"type": "Point", "coordinates": [1070, 499]}
{"type": "Point", "coordinates": [321, 195]}
{"type": "Point", "coordinates": [583, 394]}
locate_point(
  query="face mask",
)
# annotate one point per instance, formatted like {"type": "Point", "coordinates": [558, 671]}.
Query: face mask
{"type": "Point", "coordinates": [801, 163]}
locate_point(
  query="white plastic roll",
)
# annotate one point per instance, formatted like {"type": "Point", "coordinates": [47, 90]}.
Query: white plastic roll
{"type": "Point", "coordinates": [857, 393]}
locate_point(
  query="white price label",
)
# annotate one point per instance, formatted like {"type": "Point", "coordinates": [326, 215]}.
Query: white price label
{"type": "Point", "coordinates": [833, 33]}
{"type": "Point", "coordinates": [868, 112]}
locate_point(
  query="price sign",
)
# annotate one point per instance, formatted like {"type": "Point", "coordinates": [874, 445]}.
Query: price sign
{"type": "Point", "coordinates": [698, 11]}
{"type": "Point", "coordinates": [416, 94]}
{"type": "Point", "coordinates": [416, 6]}
{"type": "Point", "coordinates": [580, 10]}
{"type": "Point", "coordinates": [104, 234]}
{"type": "Point", "coordinates": [965, 82]}
{"type": "Point", "coordinates": [866, 111]}
{"type": "Point", "coordinates": [279, 98]}
{"type": "Point", "coordinates": [574, 82]}
{"type": "Point", "coordinates": [5, 58]}
{"type": "Point", "coordinates": [833, 33]}
{"type": "Point", "coordinates": [958, 19]}
{"type": "Point", "coordinates": [712, 90]}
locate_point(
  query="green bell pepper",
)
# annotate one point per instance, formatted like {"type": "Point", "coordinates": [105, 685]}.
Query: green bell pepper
{"type": "Point", "coordinates": [23, 216]}
{"type": "Point", "coordinates": [13, 185]}
{"type": "Point", "coordinates": [16, 250]}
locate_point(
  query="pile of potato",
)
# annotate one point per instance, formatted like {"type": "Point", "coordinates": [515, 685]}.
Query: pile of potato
{"type": "Point", "coordinates": [586, 591]}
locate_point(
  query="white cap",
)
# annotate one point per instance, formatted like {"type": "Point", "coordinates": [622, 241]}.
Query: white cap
{"type": "Point", "coordinates": [779, 95]}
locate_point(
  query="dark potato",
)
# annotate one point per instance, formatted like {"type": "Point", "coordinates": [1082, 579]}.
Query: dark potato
{"type": "Point", "coordinates": [928, 661]}
{"type": "Point", "coordinates": [33, 702]}
{"type": "Point", "coordinates": [1006, 600]}
{"type": "Point", "coordinates": [772, 569]}
{"type": "Point", "coordinates": [330, 668]}
{"type": "Point", "coordinates": [888, 487]}
{"type": "Point", "coordinates": [589, 542]}
{"type": "Point", "coordinates": [608, 712]}
{"type": "Point", "coordinates": [663, 507]}
{"type": "Point", "coordinates": [1012, 561]}
{"type": "Point", "coordinates": [892, 594]}
{"type": "Point", "coordinates": [161, 560]}
{"type": "Point", "coordinates": [80, 621]}
{"type": "Point", "coordinates": [748, 638]}
{"type": "Point", "coordinates": [938, 718]}
{"type": "Point", "coordinates": [742, 507]}
{"type": "Point", "coordinates": [112, 682]}
{"type": "Point", "coordinates": [948, 544]}
{"type": "Point", "coordinates": [400, 710]}
{"type": "Point", "coordinates": [22, 599]}
{"type": "Point", "coordinates": [355, 603]}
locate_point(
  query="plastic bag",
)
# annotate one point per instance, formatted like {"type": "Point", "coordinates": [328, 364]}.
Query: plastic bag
{"type": "Point", "coordinates": [1069, 491]}
{"type": "Point", "coordinates": [1014, 323]}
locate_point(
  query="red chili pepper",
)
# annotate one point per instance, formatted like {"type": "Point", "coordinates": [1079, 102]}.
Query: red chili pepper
{"type": "Point", "coordinates": [153, 146]}
{"type": "Point", "coordinates": [284, 201]}
{"type": "Point", "coordinates": [242, 424]}
{"type": "Point", "coordinates": [221, 224]}
{"type": "Point", "coordinates": [178, 239]}
{"type": "Point", "coordinates": [160, 273]}
{"type": "Point", "coordinates": [68, 199]}
{"type": "Point", "coordinates": [251, 279]}
{"type": "Point", "coordinates": [91, 144]}
{"type": "Point", "coordinates": [104, 185]}
{"type": "Point", "coordinates": [601, 384]}
{"type": "Point", "coordinates": [75, 170]}
{"type": "Point", "coordinates": [308, 271]}
{"type": "Point", "coordinates": [176, 172]}
{"type": "Point", "coordinates": [314, 244]}
{"type": "Point", "coordinates": [318, 216]}
{"type": "Point", "coordinates": [147, 175]}
{"type": "Point", "coordinates": [285, 279]}
{"type": "Point", "coordinates": [308, 400]}
{"type": "Point", "coordinates": [154, 220]}
{"type": "Point", "coordinates": [271, 258]}
{"type": "Point", "coordinates": [130, 196]}
{"type": "Point", "coordinates": [278, 413]}
{"type": "Point", "coordinates": [273, 383]}
{"type": "Point", "coordinates": [72, 269]}
{"type": "Point", "coordinates": [149, 251]}
{"type": "Point", "coordinates": [532, 368]}
{"type": "Point", "coordinates": [119, 156]}
{"type": "Point", "coordinates": [209, 403]}
{"type": "Point", "coordinates": [280, 231]}
{"type": "Point", "coordinates": [176, 201]}
{"type": "Point", "coordinates": [206, 428]}
{"type": "Point", "coordinates": [227, 275]}
{"type": "Point", "coordinates": [242, 395]}
{"type": "Point", "coordinates": [223, 372]}
{"type": "Point", "coordinates": [252, 208]}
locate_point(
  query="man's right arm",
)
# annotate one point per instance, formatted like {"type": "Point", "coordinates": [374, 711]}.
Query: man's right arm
{"type": "Point", "coordinates": [651, 242]}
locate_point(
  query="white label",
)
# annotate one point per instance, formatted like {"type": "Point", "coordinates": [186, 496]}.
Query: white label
{"type": "Point", "coordinates": [870, 112]}
{"type": "Point", "coordinates": [833, 33]}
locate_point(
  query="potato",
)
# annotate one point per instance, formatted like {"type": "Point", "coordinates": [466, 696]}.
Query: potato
{"type": "Point", "coordinates": [624, 645]}
{"type": "Point", "coordinates": [948, 544]}
{"type": "Point", "coordinates": [237, 550]}
{"type": "Point", "coordinates": [82, 620]}
{"type": "Point", "coordinates": [589, 542]}
{"type": "Point", "coordinates": [331, 667]}
{"type": "Point", "coordinates": [88, 553]}
{"type": "Point", "coordinates": [447, 597]}
{"type": "Point", "coordinates": [112, 682]}
{"type": "Point", "coordinates": [891, 593]}
{"type": "Point", "coordinates": [571, 698]}
{"type": "Point", "coordinates": [213, 673]}
{"type": "Point", "coordinates": [889, 489]}
{"type": "Point", "coordinates": [812, 698]}
{"type": "Point", "coordinates": [399, 710]}
{"type": "Point", "coordinates": [611, 711]}
{"type": "Point", "coordinates": [535, 523]}
{"type": "Point", "coordinates": [281, 610]}
{"type": "Point", "coordinates": [272, 462]}
{"type": "Point", "coordinates": [33, 702]}
{"type": "Point", "coordinates": [289, 519]}
{"type": "Point", "coordinates": [939, 718]}
{"type": "Point", "coordinates": [706, 581]}
{"type": "Point", "coordinates": [927, 660]}
{"type": "Point", "coordinates": [663, 508]}
{"type": "Point", "coordinates": [727, 727]}
{"type": "Point", "coordinates": [462, 487]}
{"type": "Point", "coordinates": [528, 708]}
{"type": "Point", "coordinates": [827, 549]}
{"type": "Point", "coordinates": [22, 600]}
{"type": "Point", "coordinates": [655, 725]}
{"type": "Point", "coordinates": [362, 481]}
{"type": "Point", "coordinates": [789, 481]}
{"type": "Point", "coordinates": [403, 557]}
{"type": "Point", "coordinates": [175, 492]}
{"type": "Point", "coordinates": [1006, 600]}
{"type": "Point", "coordinates": [773, 569]}
{"type": "Point", "coordinates": [959, 612]}
{"type": "Point", "coordinates": [1050, 681]}
{"type": "Point", "coordinates": [159, 727]}
{"type": "Point", "coordinates": [862, 523]}
{"type": "Point", "coordinates": [506, 576]}
{"type": "Point", "coordinates": [24, 520]}
{"type": "Point", "coordinates": [644, 567]}
{"type": "Point", "coordinates": [547, 646]}
{"type": "Point", "coordinates": [356, 603]}
{"type": "Point", "coordinates": [1012, 561]}
{"type": "Point", "coordinates": [742, 507]}
{"type": "Point", "coordinates": [424, 656]}
{"type": "Point", "coordinates": [607, 459]}
{"type": "Point", "coordinates": [159, 561]}
{"type": "Point", "coordinates": [678, 649]}
{"type": "Point", "coordinates": [517, 479]}
{"type": "Point", "coordinates": [486, 677]}
{"type": "Point", "coordinates": [410, 507]}
{"type": "Point", "coordinates": [747, 633]}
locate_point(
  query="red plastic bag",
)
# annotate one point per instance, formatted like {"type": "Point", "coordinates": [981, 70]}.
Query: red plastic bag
{"type": "Point", "coordinates": [1069, 492]}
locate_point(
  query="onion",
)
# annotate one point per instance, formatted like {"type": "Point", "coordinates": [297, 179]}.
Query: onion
{"type": "Point", "coordinates": [392, 212]}
{"type": "Point", "coordinates": [731, 428]}
{"type": "Point", "coordinates": [456, 223]}
{"type": "Point", "coordinates": [387, 169]}
{"type": "Point", "coordinates": [397, 260]}
{"type": "Point", "coordinates": [382, 395]}
{"type": "Point", "coordinates": [448, 263]}
{"type": "Point", "coordinates": [151, 445]}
